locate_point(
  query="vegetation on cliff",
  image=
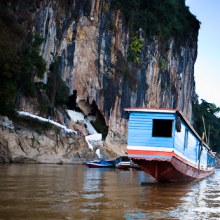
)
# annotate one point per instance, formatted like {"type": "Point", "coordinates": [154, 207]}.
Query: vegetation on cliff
{"type": "Point", "coordinates": [20, 59]}
{"type": "Point", "coordinates": [170, 19]}
{"type": "Point", "coordinates": [21, 62]}
{"type": "Point", "coordinates": [56, 89]}
{"type": "Point", "coordinates": [165, 19]}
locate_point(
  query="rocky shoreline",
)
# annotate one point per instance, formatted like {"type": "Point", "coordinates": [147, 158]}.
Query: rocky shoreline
{"type": "Point", "coordinates": [26, 141]}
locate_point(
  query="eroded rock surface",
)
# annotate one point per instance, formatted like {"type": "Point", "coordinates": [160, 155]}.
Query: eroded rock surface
{"type": "Point", "coordinates": [24, 145]}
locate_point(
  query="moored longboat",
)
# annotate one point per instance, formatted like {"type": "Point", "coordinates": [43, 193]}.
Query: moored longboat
{"type": "Point", "coordinates": [124, 162]}
{"type": "Point", "coordinates": [164, 144]}
{"type": "Point", "coordinates": [101, 163]}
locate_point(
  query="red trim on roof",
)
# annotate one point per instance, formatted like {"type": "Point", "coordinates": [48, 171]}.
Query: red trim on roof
{"type": "Point", "coordinates": [150, 109]}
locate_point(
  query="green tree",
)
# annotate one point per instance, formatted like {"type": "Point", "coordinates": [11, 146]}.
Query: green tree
{"type": "Point", "coordinates": [209, 112]}
{"type": "Point", "coordinates": [33, 65]}
{"type": "Point", "coordinates": [135, 50]}
{"type": "Point", "coordinates": [57, 91]}
{"type": "Point", "coordinates": [20, 59]}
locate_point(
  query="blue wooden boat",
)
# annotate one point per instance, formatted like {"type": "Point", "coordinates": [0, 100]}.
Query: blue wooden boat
{"type": "Point", "coordinates": [164, 144]}
{"type": "Point", "coordinates": [101, 163]}
{"type": "Point", "coordinates": [123, 162]}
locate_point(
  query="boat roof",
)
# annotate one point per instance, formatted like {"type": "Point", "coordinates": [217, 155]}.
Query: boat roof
{"type": "Point", "coordinates": [165, 110]}
{"type": "Point", "coordinates": [170, 111]}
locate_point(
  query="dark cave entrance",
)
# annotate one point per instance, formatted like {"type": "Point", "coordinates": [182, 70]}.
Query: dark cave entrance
{"type": "Point", "coordinates": [71, 103]}
{"type": "Point", "coordinates": [99, 122]}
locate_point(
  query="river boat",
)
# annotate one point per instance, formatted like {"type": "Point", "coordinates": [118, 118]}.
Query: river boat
{"type": "Point", "coordinates": [101, 163]}
{"type": "Point", "coordinates": [164, 144]}
{"type": "Point", "coordinates": [123, 162]}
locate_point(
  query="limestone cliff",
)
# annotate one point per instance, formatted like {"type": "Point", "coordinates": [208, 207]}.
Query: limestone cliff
{"type": "Point", "coordinates": [90, 42]}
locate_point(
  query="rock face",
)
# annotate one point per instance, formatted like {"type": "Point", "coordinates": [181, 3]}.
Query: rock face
{"type": "Point", "coordinates": [24, 145]}
{"type": "Point", "coordinates": [91, 41]}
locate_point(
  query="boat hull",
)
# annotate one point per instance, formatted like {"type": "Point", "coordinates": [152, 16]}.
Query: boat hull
{"type": "Point", "coordinates": [123, 165]}
{"type": "Point", "coordinates": [94, 165]}
{"type": "Point", "coordinates": [100, 163]}
{"type": "Point", "coordinates": [172, 170]}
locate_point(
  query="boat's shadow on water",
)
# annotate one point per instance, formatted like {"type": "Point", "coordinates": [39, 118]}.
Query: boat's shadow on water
{"type": "Point", "coordinates": [152, 182]}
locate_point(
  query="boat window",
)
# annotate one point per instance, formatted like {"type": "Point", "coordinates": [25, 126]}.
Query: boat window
{"type": "Point", "coordinates": [186, 138]}
{"type": "Point", "coordinates": [162, 128]}
{"type": "Point", "coordinates": [178, 124]}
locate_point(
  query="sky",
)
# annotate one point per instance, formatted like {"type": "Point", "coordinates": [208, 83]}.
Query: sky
{"type": "Point", "coordinates": [207, 66]}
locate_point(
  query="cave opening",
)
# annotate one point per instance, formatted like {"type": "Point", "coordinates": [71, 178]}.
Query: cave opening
{"type": "Point", "coordinates": [71, 103]}
{"type": "Point", "coordinates": [99, 123]}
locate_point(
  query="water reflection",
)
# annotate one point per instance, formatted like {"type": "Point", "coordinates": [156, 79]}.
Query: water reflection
{"type": "Point", "coordinates": [77, 192]}
{"type": "Point", "coordinates": [203, 201]}
{"type": "Point", "coordinates": [91, 191]}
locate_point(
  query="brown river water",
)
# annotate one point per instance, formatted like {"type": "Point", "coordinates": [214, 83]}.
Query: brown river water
{"type": "Point", "coordinates": [30, 191]}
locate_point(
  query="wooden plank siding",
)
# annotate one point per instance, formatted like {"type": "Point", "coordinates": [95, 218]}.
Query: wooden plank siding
{"type": "Point", "coordinates": [191, 151]}
{"type": "Point", "coordinates": [140, 135]}
{"type": "Point", "coordinates": [140, 130]}
{"type": "Point", "coordinates": [204, 158]}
